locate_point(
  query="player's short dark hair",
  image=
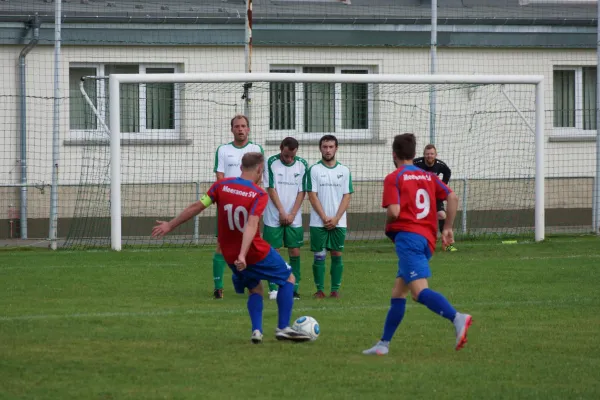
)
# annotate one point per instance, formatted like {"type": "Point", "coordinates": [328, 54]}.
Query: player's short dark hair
{"type": "Point", "coordinates": [405, 146]}
{"type": "Point", "coordinates": [290, 143]}
{"type": "Point", "coordinates": [252, 160]}
{"type": "Point", "coordinates": [429, 147]}
{"type": "Point", "coordinates": [240, 116]}
{"type": "Point", "coordinates": [328, 138]}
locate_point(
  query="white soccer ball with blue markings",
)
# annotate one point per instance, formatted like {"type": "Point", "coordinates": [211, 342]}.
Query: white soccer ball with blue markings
{"type": "Point", "coordinates": [307, 325]}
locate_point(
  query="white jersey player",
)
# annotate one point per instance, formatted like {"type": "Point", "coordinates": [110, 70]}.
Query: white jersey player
{"type": "Point", "coordinates": [228, 161]}
{"type": "Point", "coordinates": [285, 181]}
{"type": "Point", "coordinates": [329, 186]}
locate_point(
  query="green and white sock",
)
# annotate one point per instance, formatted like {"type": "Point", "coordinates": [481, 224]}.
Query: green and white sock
{"type": "Point", "coordinates": [319, 274]}
{"type": "Point", "coordinates": [337, 270]}
{"type": "Point", "coordinates": [218, 270]}
{"type": "Point", "coordinates": [295, 263]}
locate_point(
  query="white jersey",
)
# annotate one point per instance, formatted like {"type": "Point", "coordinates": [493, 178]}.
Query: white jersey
{"type": "Point", "coordinates": [288, 181]}
{"type": "Point", "coordinates": [330, 184]}
{"type": "Point", "coordinates": [228, 158]}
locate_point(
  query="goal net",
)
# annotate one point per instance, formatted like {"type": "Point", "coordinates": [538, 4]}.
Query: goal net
{"type": "Point", "coordinates": [170, 125]}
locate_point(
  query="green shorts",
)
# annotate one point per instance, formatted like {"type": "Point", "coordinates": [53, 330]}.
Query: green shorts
{"type": "Point", "coordinates": [321, 238]}
{"type": "Point", "coordinates": [287, 236]}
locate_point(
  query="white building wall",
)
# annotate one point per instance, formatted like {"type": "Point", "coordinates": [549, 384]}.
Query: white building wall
{"type": "Point", "coordinates": [490, 153]}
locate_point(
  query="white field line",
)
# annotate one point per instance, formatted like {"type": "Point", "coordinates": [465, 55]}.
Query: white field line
{"type": "Point", "coordinates": [242, 310]}
{"type": "Point", "coordinates": [561, 257]}
{"type": "Point", "coordinates": [157, 265]}
{"type": "Point", "coordinates": [92, 266]}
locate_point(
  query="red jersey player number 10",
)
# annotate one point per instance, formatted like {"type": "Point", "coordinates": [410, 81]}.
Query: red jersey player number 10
{"type": "Point", "coordinates": [236, 218]}
{"type": "Point", "coordinates": [237, 200]}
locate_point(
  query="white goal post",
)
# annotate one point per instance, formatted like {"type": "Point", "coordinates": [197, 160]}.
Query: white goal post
{"type": "Point", "coordinates": [116, 80]}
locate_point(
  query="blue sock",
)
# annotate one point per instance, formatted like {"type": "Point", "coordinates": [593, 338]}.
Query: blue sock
{"type": "Point", "coordinates": [437, 303]}
{"type": "Point", "coordinates": [393, 319]}
{"type": "Point", "coordinates": [285, 302]}
{"type": "Point", "coordinates": [255, 309]}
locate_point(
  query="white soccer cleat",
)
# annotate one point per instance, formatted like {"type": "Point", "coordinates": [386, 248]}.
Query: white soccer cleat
{"type": "Point", "coordinates": [291, 334]}
{"type": "Point", "coordinates": [273, 295]}
{"type": "Point", "coordinates": [462, 322]}
{"type": "Point", "coordinates": [256, 337]}
{"type": "Point", "coordinates": [380, 349]}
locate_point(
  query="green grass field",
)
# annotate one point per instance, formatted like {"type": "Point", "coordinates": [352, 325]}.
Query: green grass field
{"type": "Point", "coordinates": [142, 324]}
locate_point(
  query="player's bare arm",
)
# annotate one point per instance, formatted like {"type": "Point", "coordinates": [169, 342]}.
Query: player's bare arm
{"type": "Point", "coordinates": [249, 232]}
{"type": "Point", "coordinates": [297, 204]}
{"type": "Point", "coordinates": [283, 217]}
{"type": "Point", "coordinates": [392, 212]}
{"type": "Point", "coordinates": [316, 205]}
{"type": "Point", "coordinates": [340, 212]}
{"type": "Point", "coordinates": [452, 206]}
{"type": "Point", "coordinates": [163, 227]}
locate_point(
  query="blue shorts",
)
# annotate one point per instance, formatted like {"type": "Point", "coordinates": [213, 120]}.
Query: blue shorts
{"type": "Point", "coordinates": [413, 255]}
{"type": "Point", "coordinates": [272, 268]}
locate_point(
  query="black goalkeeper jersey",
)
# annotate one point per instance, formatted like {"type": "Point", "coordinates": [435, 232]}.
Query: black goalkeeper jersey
{"type": "Point", "coordinates": [439, 168]}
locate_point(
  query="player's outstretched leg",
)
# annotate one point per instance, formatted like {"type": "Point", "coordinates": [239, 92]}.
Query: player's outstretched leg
{"type": "Point", "coordinates": [285, 303]}
{"type": "Point", "coordinates": [255, 310]}
{"type": "Point", "coordinates": [437, 303]}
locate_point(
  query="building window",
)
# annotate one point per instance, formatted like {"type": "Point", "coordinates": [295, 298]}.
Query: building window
{"type": "Point", "coordinates": [311, 110]}
{"type": "Point", "coordinates": [575, 98]}
{"type": "Point", "coordinates": [148, 111]}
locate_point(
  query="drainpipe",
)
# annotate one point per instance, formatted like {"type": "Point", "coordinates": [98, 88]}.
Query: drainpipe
{"type": "Point", "coordinates": [22, 75]}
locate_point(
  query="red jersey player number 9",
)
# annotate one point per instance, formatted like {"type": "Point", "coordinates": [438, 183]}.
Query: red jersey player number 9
{"type": "Point", "coordinates": [423, 203]}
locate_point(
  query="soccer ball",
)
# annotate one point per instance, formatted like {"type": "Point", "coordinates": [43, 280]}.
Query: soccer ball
{"type": "Point", "coordinates": [307, 325]}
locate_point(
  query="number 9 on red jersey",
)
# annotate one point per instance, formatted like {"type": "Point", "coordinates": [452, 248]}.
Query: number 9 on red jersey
{"type": "Point", "coordinates": [416, 191]}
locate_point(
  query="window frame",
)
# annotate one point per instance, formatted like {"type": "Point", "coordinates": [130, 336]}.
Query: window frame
{"type": "Point", "coordinates": [578, 130]}
{"type": "Point", "coordinates": [102, 106]}
{"type": "Point", "coordinates": [298, 132]}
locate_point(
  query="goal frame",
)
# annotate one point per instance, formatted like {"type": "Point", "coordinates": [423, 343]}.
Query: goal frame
{"type": "Point", "coordinates": [116, 80]}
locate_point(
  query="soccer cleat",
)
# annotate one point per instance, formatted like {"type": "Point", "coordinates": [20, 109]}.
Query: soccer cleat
{"type": "Point", "coordinates": [334, 295]}
{"type": "Point", "coordinates": [461, 322]}
{"type": "Point", "coordinates": [296, 296]}
{"type": "Point", "coordinates": [380, 349]}
{"type": "Point", "coordinates": [292, 335]}
{"type": "Point", "coordinates": [218, 293]}
{"type": "Point", "coordinates": [450, 248]}
{"type": "Point", "coordinates": [256, 337]}
{"type": "Point", "coordinates": [319, 295]}
{"type": "Point", "coordinates": [273, 295]}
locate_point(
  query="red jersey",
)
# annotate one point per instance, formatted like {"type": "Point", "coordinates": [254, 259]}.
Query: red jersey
{"type": "Point", "coordinates": [236, 200]}
{"type": "Point", "coordinates": [417, 192]}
